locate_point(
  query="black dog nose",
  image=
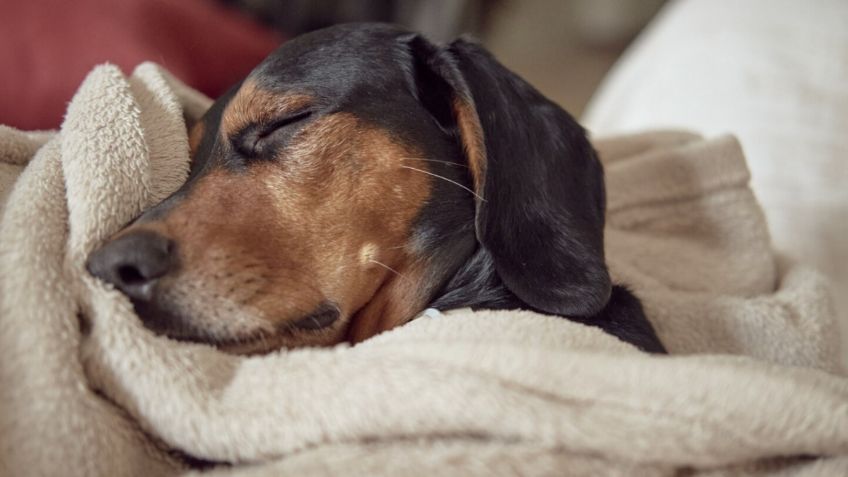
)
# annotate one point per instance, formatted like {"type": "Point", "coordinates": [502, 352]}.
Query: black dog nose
{"type": "Point", "coordinates": [133, 262]}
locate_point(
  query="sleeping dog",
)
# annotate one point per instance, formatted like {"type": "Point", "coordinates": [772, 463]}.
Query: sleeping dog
{"type": "Point", "coordinates": [359, 175]}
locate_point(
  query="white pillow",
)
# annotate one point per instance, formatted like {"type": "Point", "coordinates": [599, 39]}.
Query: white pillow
{"type": "Point", "coordinates": [772, 72]}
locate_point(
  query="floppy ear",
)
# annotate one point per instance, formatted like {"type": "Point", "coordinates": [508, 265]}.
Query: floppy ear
{"type": "Point", "coordinates": [541, 199]}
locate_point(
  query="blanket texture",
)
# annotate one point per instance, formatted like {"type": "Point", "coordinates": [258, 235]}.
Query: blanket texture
{"type": "Point", "coordinates": [751, 388]}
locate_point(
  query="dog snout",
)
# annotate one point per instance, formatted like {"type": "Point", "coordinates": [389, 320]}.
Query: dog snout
{"type": "Point", "coordinates": [134, 262]}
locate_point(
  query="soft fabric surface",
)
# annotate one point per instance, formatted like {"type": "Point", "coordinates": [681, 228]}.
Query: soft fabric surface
{"type": "Point", "coordinates": [749, 389]}
{"type": "Point", "coordinates": [773, 73]}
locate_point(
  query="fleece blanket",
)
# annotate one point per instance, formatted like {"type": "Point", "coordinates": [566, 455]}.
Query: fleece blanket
{"type": "Point", "coordinates": [751, 386]}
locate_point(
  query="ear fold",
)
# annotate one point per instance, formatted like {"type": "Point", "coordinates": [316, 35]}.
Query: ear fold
{"type": "Point", "coordinates": [541, 215]}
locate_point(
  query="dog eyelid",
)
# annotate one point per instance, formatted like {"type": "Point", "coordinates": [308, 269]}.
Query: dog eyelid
{"type": "Point", "coordinates": [251, 140]}
{"type": "Point", "coordinates": [286, 120]}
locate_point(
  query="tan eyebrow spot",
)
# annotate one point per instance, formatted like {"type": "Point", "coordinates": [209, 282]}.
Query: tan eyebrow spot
{"type": "Point", "coordinates": [252, 104]}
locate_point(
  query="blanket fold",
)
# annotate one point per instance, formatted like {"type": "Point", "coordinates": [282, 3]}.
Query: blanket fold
{"type": "Point", "coordinates": [752, 386]}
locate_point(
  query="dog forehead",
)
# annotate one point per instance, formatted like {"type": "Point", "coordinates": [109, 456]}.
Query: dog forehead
{"type": "Point", "coordinates": [337, 58]}
{"type": "Point", "coordinates": [359, 69]}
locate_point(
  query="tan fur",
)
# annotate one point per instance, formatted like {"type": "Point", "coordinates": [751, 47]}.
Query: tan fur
{"type": "Point", "coordinates": [262, 248]}
{"type": "Point", "coordinates": [394, 304]}
{"type": "Point", "coordinates": [195, 134]}
{"type": "Point", "coordinates": [254, 105]}
{"type": "Point", "coordinates": [471, 133]}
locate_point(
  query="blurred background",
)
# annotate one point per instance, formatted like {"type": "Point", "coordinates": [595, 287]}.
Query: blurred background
{"type": "Point", "coordinates": [564, 47]}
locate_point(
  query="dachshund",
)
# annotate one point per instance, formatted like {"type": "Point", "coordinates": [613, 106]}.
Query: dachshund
{"type": "Point", "coordinates": [360, 175]}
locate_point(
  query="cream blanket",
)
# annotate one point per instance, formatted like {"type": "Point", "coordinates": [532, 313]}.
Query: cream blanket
{"type": "Point", "coordinates": [751, 387]}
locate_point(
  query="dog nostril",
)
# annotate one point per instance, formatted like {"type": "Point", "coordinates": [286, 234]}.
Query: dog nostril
{"type": "Point", "coordinates": [130, 275]}
{"type": "Point", "coordinates": [134, 262]}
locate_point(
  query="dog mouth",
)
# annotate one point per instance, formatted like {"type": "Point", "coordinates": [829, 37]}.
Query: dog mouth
{"type": "Point", "coordinates": [323, 317]}
{"type": "Point", "coordinates": [316, 324]}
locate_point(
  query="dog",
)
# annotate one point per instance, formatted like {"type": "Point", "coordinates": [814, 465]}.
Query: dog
{"type": "Point", "coordinates": [360, 175]}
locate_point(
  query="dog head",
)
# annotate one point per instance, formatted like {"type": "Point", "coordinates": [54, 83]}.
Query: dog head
{"type": "Point", "coordinates": [335, 192]}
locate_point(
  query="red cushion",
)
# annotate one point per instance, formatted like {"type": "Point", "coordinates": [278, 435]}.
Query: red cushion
{"type": "Point", "coordinates": [48, 46]}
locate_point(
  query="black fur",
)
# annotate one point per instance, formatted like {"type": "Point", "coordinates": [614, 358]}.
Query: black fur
{"type": "Point", "coordinates": [477, 285]}
{"type": "Point", "coordinates": [539, 227]}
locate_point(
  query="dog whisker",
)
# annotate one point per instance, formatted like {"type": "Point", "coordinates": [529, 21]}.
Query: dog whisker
{"type": "Point", "coordinates": [446, 179]}
{"type": "Point", "coordinates": [262, 336]}
{"type": "Point", "coordinates": [433, 160]}
{"type": "Point", "coordinates": [389, 268]}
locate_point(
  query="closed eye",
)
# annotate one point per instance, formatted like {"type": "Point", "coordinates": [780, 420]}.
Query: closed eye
{"type": "Point", "coordinates": [255, 140]}
{"type": "Point", "coordinates": [283, 122]}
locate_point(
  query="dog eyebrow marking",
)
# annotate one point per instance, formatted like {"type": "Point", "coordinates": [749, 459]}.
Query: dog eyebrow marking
{"type": "Point", "coordinates": [255, 105]}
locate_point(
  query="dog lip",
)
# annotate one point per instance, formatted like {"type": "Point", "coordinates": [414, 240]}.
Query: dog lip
{"type": "Point", "coordinates": [325, 315]}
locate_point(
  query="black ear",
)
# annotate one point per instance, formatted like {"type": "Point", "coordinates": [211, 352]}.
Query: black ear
{"type": "Point", "coordinates": [540, 211]}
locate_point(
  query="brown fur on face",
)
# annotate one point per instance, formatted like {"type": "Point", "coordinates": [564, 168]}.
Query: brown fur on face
{"type": "Point", "coordinates": [254, 105]}
{"type": "Point", "coordinates": [328, 220]}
